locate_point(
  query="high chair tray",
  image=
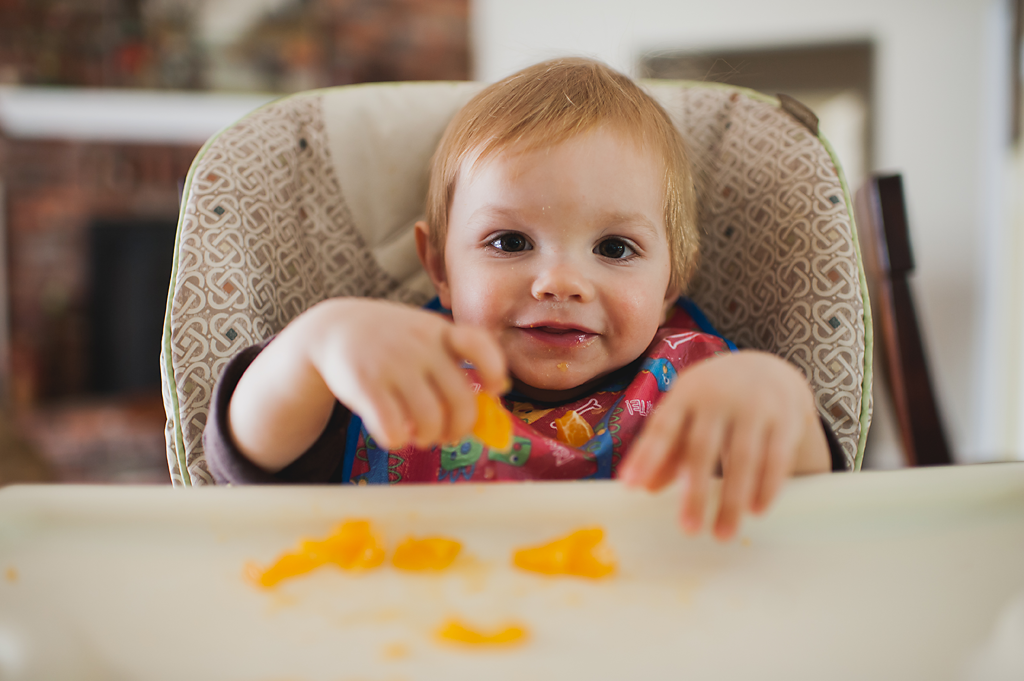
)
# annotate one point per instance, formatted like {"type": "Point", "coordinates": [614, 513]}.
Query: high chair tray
{"type": "Point", "coordinates": [915, 574]}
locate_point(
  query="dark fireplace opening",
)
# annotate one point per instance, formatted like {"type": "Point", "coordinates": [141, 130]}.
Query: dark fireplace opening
{"type": "Point", "coordinates": [130, 266]}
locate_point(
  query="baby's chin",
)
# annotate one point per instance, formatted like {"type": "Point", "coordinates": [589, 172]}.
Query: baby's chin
{"type": "Point", "coordinates": [556, 387]}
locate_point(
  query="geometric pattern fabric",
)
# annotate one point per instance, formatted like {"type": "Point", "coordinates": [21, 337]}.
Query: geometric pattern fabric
{"type": "Point", "coordinates": [266, 230]}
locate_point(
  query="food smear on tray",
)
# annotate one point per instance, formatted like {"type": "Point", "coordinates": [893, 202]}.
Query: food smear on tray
{"type": "Point", "coordinates": [352, 546]}
{"type": "Point", "coordinates": [396, 651]}
{"type": "Point", "coordinates": [455, 631]}
{"type": "Point", "coordinates": [493, 424]}
{"type": "Point", "coordinates": [430, 553]}
{"type": "Point", "coordinates": [580, 554]}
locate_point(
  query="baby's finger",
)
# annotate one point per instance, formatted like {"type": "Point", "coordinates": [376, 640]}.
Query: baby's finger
{"type": "Point", "coordinates": [457, 396]}
{"type": "Point", "coordinates": [701, 450]}
{"type": "Point", "coordinates": [653, 449]}
{"type": "Point", "coordinates": [425, 410]}
{"type": "Point", "coordinates": [385, 418]}
{"type": "Point", "coordinates": [779, 453]}
{"type": "Point", "coordinates": [744, 455]}
{"type": "Point", "coordinates": [478, 347]}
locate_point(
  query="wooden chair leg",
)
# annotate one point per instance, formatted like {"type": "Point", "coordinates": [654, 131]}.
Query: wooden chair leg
{"type": "Point", "coordinates": [885, 242]}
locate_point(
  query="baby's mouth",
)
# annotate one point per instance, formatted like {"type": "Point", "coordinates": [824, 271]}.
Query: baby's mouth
{"type": "Point", "coordinates": [559, 336]}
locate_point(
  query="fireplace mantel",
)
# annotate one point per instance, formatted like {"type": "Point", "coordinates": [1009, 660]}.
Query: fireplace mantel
{"type": "Point", "coordinates": [121, 116]}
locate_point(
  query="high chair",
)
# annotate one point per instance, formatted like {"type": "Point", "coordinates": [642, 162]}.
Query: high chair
{"type": "Point", "coordinates": [315, 195]}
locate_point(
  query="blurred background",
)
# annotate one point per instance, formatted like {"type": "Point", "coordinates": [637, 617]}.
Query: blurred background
{"type": "Point", "coordinates": [104, 103]}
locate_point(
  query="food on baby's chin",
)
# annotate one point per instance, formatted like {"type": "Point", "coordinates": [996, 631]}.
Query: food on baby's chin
{"type": "Point", "coordinates": [352, 546]}
{"type": "Point", "coordinates": [455, 631]}
{"type": "Point", "coordinates": [493, 424]}
{"type": "Point", "coordinates": [431, 553]}
{"type": "Point", "coordinates": [573, 554]}
{"type": "Point", "coordinates": [573, 430]}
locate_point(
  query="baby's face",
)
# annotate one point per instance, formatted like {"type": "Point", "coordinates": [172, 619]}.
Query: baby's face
{"type": "Point", "coordinates": [562, 252]}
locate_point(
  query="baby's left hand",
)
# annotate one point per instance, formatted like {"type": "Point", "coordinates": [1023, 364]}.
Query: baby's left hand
{"type": "Point", "coordinates": [751, 411]}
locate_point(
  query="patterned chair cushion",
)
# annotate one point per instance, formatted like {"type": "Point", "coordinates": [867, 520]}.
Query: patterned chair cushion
{"type": "Point", "coordinates": [315, 195]}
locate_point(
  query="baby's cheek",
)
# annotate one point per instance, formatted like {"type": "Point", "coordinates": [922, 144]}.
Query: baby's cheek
{"type": "Point", "coordinates": [638, 319]}
{"type": "Point", "coordinates": [477, 305]}
{"type": "Point", "coordinates": [468, 310]}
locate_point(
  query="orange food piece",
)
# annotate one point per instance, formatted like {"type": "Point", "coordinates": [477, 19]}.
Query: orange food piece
{"type": "Point", "coordinates": [493, 424]}
{"type": "Point", "coordinates": [352, 546]}
{"type": "Point", "coordinates": [573, 430]}
{"type": "Point", "coordinates": [432, 553]}
{"type": "Point", "coordinates": [288, 565]}
{"type": "Point", "coordinates": [573, 554]}
{"type": "Point", "coordinates": [454, 630]}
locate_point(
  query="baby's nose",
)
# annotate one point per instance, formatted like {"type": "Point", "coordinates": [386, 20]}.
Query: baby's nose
{"type": "Point", "coordinates": [562, 282]}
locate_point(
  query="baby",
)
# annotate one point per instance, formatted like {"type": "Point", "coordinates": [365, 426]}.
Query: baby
{"type": "Point", "coordinates": [560, 234]}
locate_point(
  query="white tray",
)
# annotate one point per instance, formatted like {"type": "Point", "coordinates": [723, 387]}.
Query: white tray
{"type": "Point", "coordinates": [894, 575]}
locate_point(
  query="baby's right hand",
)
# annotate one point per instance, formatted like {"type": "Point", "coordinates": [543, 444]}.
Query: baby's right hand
{"type": "Point", "coordinates": [400, 368]}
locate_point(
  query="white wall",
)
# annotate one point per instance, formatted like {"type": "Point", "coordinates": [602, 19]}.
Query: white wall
{"type": "Point", "coordinates": [940, 71]}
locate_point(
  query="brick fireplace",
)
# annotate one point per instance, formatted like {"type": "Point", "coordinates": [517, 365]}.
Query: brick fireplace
{"type": "Point", "coordinates": [89, 192]}
{"type": "Point", "coordinates": [65, 202]}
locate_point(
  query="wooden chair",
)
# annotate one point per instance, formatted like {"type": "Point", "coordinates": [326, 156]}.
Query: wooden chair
{"type": "Point", "coordinates": [888, 260]}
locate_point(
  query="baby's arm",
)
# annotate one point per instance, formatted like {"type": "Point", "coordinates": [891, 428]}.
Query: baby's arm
{"type": "Point", "coordinates": [751, 411]}
{"type": "Point", "coordinates": [399, 368]}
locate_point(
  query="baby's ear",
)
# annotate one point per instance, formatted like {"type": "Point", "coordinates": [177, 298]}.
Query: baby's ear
{"type": "Point", "coordinates": [433, 263]}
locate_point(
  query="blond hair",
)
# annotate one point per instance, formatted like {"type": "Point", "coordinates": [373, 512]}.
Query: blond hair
{"type": "Point", "coordinates": [549, 103]}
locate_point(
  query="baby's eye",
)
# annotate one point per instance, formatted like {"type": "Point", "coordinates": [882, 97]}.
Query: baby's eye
{"type": "Point", "coordinates": [511, 242]}
{"type": "Point", "coordinates": [616, 249]}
